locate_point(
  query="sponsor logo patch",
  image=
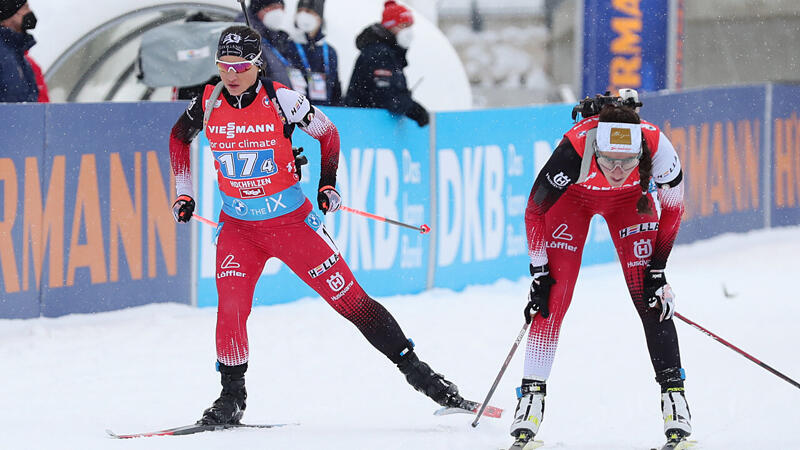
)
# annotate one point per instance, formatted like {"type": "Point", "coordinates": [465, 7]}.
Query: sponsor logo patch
{"type": "Point", "coordinates": [621, 136]}
{"type": "Point", "coordinates": [322, 268]}
{"type": "Point", "coordinates": [252, 192]}
{"type": "Point", "coordinates": [643, 248]}
{"type": "Point", "coordinates": [336, 282]}
{"type": "Point", "coordinates": [638, 228]}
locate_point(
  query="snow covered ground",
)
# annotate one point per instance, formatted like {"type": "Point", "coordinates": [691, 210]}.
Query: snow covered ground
{"type": "Point", "coordinates": [63, 381]}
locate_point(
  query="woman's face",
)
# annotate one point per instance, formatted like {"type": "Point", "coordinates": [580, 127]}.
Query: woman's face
{"type": "Point", "coordinates": [237, 82]}
{"type": "Point", "coordinates": [617, 166]}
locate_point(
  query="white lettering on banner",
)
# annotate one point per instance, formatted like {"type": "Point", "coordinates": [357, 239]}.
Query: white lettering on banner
{"type": "Point", "coordinates": [516, 244]}
{"type": "Point", "coordinates": [387, 178]}
{"type": "Point", "coordinates": [365, 247]}
{"type": "Point", "coordinates": [516, 163]}
{"type": "Point", "coordinates": [412, 171]}
{"type": "Point", "coordinates": [473, 233]}
{"type": "Point", "coordinates": [515, 204]}
{"type": "Point", "coordinates": [411, 256]}
{"type": "Point", "coordinates": [450, 187]}
{"type": "Point", "coordinates": [478, 236]}
{"type": "Point", "coordinates": [494, 216]}
{"type": "Point", "coordinates": [360, 254]}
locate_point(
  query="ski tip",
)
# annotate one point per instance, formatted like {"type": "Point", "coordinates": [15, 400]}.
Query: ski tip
{"type": "Point", "coordinates": [111, 434]}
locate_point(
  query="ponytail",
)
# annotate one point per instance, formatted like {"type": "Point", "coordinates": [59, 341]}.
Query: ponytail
{"type": "Point", "coordinates": [645, 172]}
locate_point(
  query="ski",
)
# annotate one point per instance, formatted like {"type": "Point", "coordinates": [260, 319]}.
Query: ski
{"type": "Point", "coordinates": [192, 429]}
{"type": "Point", "coordinates": [525, 442]}
{"type": "Point", "coordinates": [677, 444]}
{"type": "Point", "coordinates": [469, 407]}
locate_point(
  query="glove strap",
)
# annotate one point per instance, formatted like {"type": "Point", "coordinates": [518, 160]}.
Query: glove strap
{"type": "Point", "coordinates": [538, 271]}
{"type": "Point", "coordinates": [326, 187]}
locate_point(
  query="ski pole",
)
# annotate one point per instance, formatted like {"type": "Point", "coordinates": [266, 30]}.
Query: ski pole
{"type": "Point", "coordinates": [739, 351]}
{"type": "Point", "coordinates": [424, 229]}
{"type": "Point", "coordinates": [202, 219]}
{"type": "Point", "coordinates": [500, 375]}
{"type": "Point", "coordinates": [246, 17]}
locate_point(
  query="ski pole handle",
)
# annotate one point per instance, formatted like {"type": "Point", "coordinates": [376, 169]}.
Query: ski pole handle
{"type": "Point", "coordinates": [202, 219]}
{"type": "Point", "coordinates": [739, 351]}
{"type": "Point", "coordinates": [424, 229]}
{"type": "Point", "coordinates": [500, 375]}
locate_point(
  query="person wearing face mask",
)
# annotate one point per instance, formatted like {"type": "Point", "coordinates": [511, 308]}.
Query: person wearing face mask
{"type": "Point", "coordinates": [613, 164]}
{"type": "Point", "coordinates": [315, 64]}
{"type": "Point", "coordinates": [18, 81]}
{"type": "Point", "coordinates": [267, 17]}
{"type": "Point", "coordinates": [378, 80]}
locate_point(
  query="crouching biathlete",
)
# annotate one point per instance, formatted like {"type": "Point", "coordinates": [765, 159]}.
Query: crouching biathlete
{"type": "Point", "coordinates": [593, 171]}
{"type": "Point", "coordinates": [265, 215]}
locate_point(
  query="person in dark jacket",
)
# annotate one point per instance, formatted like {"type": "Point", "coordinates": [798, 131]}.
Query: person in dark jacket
{"type": "Point", "coordinates": [378, 80]}
{"type": "Point", "coordinates": [314, 59]}
{"type": "Point", "coordinates": [17, 78]}
{"type": "Point", "coordinates": [266, 17]}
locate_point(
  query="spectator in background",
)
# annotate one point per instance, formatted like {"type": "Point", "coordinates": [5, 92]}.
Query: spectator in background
{"type": "Point", "coordinates": [44, 95]}
{"type": "Point", "coordinates": [17, 78]}
{"type": "Point", "coordinates": [266, 17]}
{"type": "Point", "coordinates": [378, 80]}
{"type": "Point", "coordinates": [315, 63]}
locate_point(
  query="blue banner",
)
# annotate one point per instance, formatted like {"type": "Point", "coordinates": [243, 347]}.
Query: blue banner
{"type": "Point", "coordinates": [718, 134]}
{"type": "Point", "coordinates": [484, 177]}
{"type": "Point", "coordinates": [95, 230]}
{"type": "Point", "coordinates": [624, 45]}
{"type": "Point", "coordinates": [384, 170]}
{"type": "Point", "coordinates": [23, 145]}
{"type": "Point", "coordinates": [785, 153]}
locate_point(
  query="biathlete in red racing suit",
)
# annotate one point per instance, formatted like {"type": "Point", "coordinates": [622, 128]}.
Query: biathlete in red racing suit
{"type": "Point", "coordinates": [265, 214]}
{"type": "Point", "coordinates": [572, 187]}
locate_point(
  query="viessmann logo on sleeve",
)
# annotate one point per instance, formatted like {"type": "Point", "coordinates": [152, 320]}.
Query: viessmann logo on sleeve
{"type": "Point", "coordinates": [230, 130]}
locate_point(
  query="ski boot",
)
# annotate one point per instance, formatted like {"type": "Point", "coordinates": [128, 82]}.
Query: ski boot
{"type": "Point", "coordinates": [529, 414]}
{"type": "Point", "coordinates": [420, 376]}
{"type": "Point", "coordinates": [229, 407]}
{"type": "Point", "coordinates": [677, 418]}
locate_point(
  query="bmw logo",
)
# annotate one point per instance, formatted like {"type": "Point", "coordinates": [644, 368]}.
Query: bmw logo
{"type": "Point", "coordinates": [240, 207]}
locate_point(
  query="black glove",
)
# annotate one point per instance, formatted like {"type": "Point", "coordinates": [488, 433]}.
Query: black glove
{"type": "Point", "coordinates": [539, 295]}
{"type": "Point", "coordinates": [299, 161]}
{"type": "Point", "coordinates": [658, 293]}
{"type": "Point", "coordinates": [418, 114]}
{"type": "Point", "coordinates": [328, 199]}
{"type": "Point", "coordinates": [183, 208]}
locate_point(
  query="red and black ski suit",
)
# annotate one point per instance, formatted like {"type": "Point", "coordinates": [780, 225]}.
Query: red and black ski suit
{"type": "Point", "coordinates": [557, 221]}
{"type": "Point", "coordinates": [266, 215]}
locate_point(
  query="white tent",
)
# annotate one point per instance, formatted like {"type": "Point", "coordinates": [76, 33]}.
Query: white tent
{"type": "Point", "coordinates": [88, 49]}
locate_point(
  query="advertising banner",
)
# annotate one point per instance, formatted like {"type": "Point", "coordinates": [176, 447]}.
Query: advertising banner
{"type": "Point", "coordinates": [93, 229]}
{"type": "Point", "coordinates": [718, 136]}
{"type": "Point", "coordinates": [624, 45]}
{"type": "Point", "coordinates": [785, 153]}
{"type": "Point", "coordinates": [384, 170]}
{"type": "Point", "coordinates": [484, 177]}
{"type": "Point", "coordinates": [22, 142]}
